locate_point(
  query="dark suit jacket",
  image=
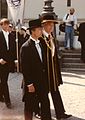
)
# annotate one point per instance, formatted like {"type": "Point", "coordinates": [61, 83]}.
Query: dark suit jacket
{"type": "Point", "coordinates": [57, 72]}
{"type": "Point", "coordinates": [82, 33]}
{"type": "Point", "coordinates": [7, 55]}
{"type": "Point", "coordinates": [34, 71]}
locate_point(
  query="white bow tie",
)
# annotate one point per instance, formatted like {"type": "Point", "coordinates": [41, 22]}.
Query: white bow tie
{"type": "Point", "coordinates": [37, 42]}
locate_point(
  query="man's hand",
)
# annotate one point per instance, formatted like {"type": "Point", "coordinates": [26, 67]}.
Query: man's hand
{"type": "Point", "coordinates": [2, 62]}
{"type": "Point", "coordinates": [31, 88]}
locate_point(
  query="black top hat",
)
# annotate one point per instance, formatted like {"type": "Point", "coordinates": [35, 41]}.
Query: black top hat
{"type": "Point", "coordinates": [48, 18]}
{"type": "Point", "coordinates": [34, 24]}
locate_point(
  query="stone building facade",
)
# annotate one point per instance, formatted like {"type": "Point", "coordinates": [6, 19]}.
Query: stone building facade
{"type": "Point", "coordinates": [34, 7]}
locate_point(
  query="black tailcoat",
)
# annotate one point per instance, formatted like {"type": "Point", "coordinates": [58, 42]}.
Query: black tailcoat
{"type": "Point", "coordinates": [9, 57]}
{"type": "Point", "coordinates": [82, 40]}
{"type": "Point", "coordinates": [33, 69]}
{"type": "Point", "coordinates": [56, 97]}
{"type": "Point", "coordinates": [35, 72]}
{"type": "Point", "coordinates": [81, 32]}
{"type": "Point", "coordinates": [58, 78]}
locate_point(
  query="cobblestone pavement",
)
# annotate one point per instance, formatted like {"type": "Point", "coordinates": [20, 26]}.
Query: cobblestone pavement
{"type": "Point", "coordinates": [72, 92]}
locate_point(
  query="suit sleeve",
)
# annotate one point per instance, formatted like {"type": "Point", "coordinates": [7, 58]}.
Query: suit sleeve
{"type": "Point", "coordinates": [26, 65]}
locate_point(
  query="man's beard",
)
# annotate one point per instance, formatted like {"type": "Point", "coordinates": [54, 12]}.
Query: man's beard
{"type": "Point", "coordinates": [71, 13]}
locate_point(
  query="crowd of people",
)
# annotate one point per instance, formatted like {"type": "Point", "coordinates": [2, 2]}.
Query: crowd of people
{"type": "Point", "coordinates": [38, 62]}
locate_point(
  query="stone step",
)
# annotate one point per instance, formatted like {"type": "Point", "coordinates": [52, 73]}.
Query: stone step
{"type": "Point", "coordinates": [73, 70]}
{"type": "Point", "coordinates": [70, 51]}
{"type": "Point", "coordinates": [73, 65]}
{"type": "Point", "coordinates": [71, 55]}
{"type": "Point", "coordinates": [71, 60]}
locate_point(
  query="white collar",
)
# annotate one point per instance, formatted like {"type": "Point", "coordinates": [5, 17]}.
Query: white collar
{"type": "Point", "coordinates": [45, 33]}
{"type": "Point", "coordinates": [5, 32]}
{"type": "Point", "coordinates": [36, 41]}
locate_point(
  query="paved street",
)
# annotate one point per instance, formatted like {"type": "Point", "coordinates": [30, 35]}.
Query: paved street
{"type": "Point", "coordinates": [72, 91]}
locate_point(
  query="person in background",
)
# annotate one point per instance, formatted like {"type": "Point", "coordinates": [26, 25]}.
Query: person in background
{"type": "Point", "coordinates": [34, 70]}
{"type": "Point", "coordinates": [24, 34]}
{"type": "Point", "coordinates": [7, 57]}
{"type": "Point", "coordinates": [70, 24]}
{"type": "Point", "coordinates": [54, 74]}
{"type": "Point", "coordinates": [81, 38]}
{"type": "Point", "coordinates": [18, 24]}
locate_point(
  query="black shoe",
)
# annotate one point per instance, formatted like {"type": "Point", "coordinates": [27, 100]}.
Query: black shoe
{"type": "Point", "coordinates": [38, 116]}
{"type": "Point", "coordinates": [71, 48]}
{"type": "Point", "coordinates": [66, 48]}
{"type": "Point", "coordinates": [64, 116]}
{"type": "Point", "coordinates": [9, 106]}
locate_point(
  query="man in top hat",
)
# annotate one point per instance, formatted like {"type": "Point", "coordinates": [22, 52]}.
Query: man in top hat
{"type": "Point", "coordinates": [34, 70]}
{"type": "Point", "coordinates": [54, 75]}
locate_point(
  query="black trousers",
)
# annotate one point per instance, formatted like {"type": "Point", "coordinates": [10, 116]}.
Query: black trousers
{"type": "Point", "coordinates": [58, 104]}
{"type": "Point", "coordinates": [45, 108]}
{"type": "Point", "coordinates": [4, 90]}
{"type": "Point", "coordinates": [37, 106]}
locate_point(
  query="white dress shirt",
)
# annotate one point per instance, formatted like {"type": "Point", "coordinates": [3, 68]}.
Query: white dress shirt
{"type": "Point", "coordinates": [37, 47]}
{"type": "Point", "coordinates": [45, 33]}
{"type": "Point", "coordinates": [70, 18]}
{"type": "Point", "coordinates": [6, 38]}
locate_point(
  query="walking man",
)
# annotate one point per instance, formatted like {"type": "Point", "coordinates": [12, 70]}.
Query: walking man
{"type": "Point", "coordinates": [35, 73]}
{"type": "Point", "coordinates": [7, 57]}
{"type": "Point", "coordinates": [54, 75]}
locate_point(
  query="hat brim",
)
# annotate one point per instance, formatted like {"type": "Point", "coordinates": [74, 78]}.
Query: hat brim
{"type": "Point", "coordinates": [33, 27]}
{"type": "Point", "coordinates": [54, 21]}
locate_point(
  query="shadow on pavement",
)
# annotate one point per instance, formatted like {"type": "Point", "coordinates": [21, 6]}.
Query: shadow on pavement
{"type": "Point", "coordinates": [74, 118]}
{"type": "Point", "coordinates": [71, 118]}
{"type": "Point", "coordinates": [75, 84]}
{"type": "Point", "coordinates": [73, 75]}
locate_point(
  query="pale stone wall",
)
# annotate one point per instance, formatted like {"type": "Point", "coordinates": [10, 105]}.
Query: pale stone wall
{"type": "Point", "coordinates": [60, 7]}
{"type": "Point", "coordinates": [34, 7]}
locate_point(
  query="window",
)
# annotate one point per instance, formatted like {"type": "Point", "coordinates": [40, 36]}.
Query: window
{"type": "Point", "coordinates": [68, 3]}
{"type": "Point", "coordinates": [3, 8]}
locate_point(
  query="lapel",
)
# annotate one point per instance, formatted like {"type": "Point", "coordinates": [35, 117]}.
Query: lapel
{"type": "Point", "coordinates": [4, 41]}
{"type": "Point", "coordinates": [44, 37]}
{"type": "Point", "coordinates": [10, 40]}
{"type": "Point", "coordinates": [43, 51]}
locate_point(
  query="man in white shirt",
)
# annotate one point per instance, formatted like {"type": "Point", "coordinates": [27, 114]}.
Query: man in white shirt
{"type": "Point", "coordinates": [70, 24]}
{"type": "Point", "coordinates": [7, 53]}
